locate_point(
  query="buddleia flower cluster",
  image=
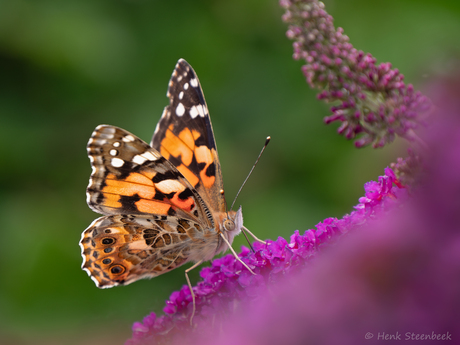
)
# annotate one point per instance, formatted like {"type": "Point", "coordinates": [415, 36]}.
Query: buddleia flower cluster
{"type": "Point", "coordinates": [371, 101]}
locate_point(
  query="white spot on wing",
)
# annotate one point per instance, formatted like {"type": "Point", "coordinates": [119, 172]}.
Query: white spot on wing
{"type": "Point", "coordinates": [139, 160]}
{"type": "Point", "coordinates": [194, 82]}
{"type": "Point", "coordinates": [180, 110]}
{"type": "Point", "coordinates": [197, 110]}
{"type": "Point", "coordinates": [105, 129]}
{"type": "Point", "coordinates": [128, 138]}
{"type": "Point", "coordinates": [116, 144]}
{"type": "Point", "coordinates": [194, 112]}
{"type": "Point", "coordinates": [169, 186]}
{"type": "Point", "coordinates": [117, 162]}
{"type": "Point", "coordinates": [181, 94]}
{"type": "Point", "coordinates": [150, 156]}
{"type": "Point", "coordinates": [113, 152]}
{"type": "Point", "coordinates": [142, 158]}
{"type": "Point", "coordinates": [186, 86]}
{"type": "Point", "coordinates": [201, 110]}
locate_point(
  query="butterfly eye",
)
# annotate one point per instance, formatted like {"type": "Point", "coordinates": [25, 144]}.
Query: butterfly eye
{"type": "Point", "coordinates": [229, 225]}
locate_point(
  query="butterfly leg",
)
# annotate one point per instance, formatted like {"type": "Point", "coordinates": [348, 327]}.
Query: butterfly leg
{"type": "Point", "coordinates": [247, 239]}
{"type": "Point", "coordinates": [254, 236]}
{"type": "Point", "coordinates": [191, 289]}
{"type": "Point", "coordinates": [234, 253]}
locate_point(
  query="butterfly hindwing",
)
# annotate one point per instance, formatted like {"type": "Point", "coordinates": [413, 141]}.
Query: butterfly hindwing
{"type": "Point", "coordinates": [129, 177]}
{"type": "Point", "coordinates": [120, 249]}
{"type": "Point", "coordinates": [185, 137]}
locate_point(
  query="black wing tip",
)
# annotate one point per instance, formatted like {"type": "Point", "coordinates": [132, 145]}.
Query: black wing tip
{"type": "Point", "coordinates": [182, 61]}
{"type": "Point", "coordinates": [182, 64]}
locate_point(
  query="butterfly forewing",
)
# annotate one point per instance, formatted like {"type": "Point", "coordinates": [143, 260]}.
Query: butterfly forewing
{"type": "Point", "coordinates": [129, 177]}
{"type": "Point", "coordinates": [185, 137]}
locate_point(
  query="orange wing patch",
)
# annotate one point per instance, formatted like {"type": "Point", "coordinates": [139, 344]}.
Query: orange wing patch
{"type": "Point", "coordinates": [203, 155]}
{"type": "Point", "coordinates": [145, 194]}
{"type": "Point", "coordinates": [150, 206]}
{"type": "Point", "coordinates": [111, 200]}
{"type": "Point", "coordinates": [130, 186]}
{"type": "Point", "coordinates": [182, 147]}
{"type": "Point", "coordinates": [173, 145]}
{"type": "Point", "coordinates": [188, 138]}
{"type": "Point", "coordinates": [188, 174]}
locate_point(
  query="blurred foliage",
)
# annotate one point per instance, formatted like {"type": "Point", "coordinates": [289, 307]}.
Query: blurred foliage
{"type": "Point", "coordinates": [66, 67]}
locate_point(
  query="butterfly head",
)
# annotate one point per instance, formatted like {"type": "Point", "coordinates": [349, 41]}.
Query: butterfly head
{"type": "Point", "coordinates": [232, 224]}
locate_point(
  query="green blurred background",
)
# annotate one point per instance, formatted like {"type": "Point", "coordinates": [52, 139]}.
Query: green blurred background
{"type": "Point", "coordinates": [68, 66]}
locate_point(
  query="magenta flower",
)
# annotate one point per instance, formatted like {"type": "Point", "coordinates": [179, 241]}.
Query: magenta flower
{"type": "Point", "coordinates": [226, 281]}
{"type": "Point", "coordinates": [370, 100]}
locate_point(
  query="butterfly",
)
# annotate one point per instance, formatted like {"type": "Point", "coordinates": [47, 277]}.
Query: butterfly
{"type": "Point", "coordinates": [163, 204]}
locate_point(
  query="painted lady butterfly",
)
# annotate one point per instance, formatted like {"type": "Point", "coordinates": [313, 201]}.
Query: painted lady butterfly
{"type": "Point", "coordinates": [163, 203]}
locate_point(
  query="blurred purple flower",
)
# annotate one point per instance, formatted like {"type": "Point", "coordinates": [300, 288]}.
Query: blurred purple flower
{"type": "Point", "coordinates": [369, 100]}
{"type": "Point", "coordinates": [226, 282]}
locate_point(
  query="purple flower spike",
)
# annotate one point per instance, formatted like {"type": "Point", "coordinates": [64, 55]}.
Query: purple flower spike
{"type": "Point", "coordinates": [369, 99]}
{"type": "Point", "coordinates": [226, 283]}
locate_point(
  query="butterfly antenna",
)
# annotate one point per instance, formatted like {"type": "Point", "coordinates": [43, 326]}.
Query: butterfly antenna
{"type": "Point", "coordinates": [247, 177]}
{"type": "Point", "coordinates": [250, 172]}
